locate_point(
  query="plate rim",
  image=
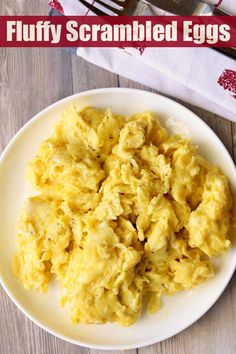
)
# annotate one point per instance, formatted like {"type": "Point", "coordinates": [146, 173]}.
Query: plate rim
{"type": "Point", "coordinates": [85, 344]}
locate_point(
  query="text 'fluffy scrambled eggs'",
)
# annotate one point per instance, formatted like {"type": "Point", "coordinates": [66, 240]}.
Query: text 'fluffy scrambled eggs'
{"type": "Point", "coordinates": [122, 211]}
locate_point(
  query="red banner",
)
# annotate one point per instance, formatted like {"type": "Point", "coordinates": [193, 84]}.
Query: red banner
{"type": "Point", "coordinates": [118, 31]}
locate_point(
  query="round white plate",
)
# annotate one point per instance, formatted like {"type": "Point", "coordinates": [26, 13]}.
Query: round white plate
{"type": "Point", "coordinates": [177, 311]}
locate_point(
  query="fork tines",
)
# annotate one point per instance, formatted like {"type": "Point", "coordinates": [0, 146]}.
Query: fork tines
{"type": "Point", "coordinates": [110, 8]}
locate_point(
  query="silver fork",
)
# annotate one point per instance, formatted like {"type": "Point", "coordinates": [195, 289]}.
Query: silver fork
{"type": "Point", "coordinates": [131, 7]}
{"type": "Point", "coordinates": [138, 8]}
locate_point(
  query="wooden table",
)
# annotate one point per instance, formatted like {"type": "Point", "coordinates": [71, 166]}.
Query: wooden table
{"type": "Point", "coordinates": [30, 80]}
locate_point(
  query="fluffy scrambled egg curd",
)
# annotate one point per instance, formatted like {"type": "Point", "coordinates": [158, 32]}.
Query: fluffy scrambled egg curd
{"type": "Point", "coordinates": [122, 211]}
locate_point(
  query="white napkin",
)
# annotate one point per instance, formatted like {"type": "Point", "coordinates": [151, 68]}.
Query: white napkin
{"type": "Point", "coordinates": [200, 76]}
{"type": "Point", "coordinates": [225, 5]}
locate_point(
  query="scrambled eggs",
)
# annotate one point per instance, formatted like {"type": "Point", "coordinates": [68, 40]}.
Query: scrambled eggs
{"type": "Point", "coordinates": [122, 211]}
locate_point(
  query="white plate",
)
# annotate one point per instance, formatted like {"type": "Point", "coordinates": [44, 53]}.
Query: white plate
{"type": "Point", "coordinates": [177, 312]}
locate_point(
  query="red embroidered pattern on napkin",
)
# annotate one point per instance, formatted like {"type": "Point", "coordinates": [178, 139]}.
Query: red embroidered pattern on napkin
{"type": "Point", "coordinates": [227, 81]}
{"type": "Point", "coordinates": [219, 3]}
{"type": "Point", "coordinates": [55, 4]}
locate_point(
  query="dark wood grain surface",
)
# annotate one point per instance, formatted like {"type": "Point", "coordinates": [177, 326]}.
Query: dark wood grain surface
{"type": "Point", "coordinates": [30, 80]}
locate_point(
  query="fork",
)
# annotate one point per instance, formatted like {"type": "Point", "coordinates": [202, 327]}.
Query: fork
{"type": "Point", "coordinates": [138, 7]}
{"type": "Point", "coordinates": [131, 7]}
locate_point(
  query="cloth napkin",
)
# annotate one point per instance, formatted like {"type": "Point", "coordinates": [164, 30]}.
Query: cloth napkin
{"type": "Point", "coordinates": [200, 76]}
{"type": "Point", "coordinates": [225, 5]}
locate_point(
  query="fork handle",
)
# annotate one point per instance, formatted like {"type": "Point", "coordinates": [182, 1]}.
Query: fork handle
{"type": "Point", "coordinates": [218, 12]}
{"type": "Point", "coordinates": [215, 10]}
{"type": "Point", "coordinates": [229, 51]}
